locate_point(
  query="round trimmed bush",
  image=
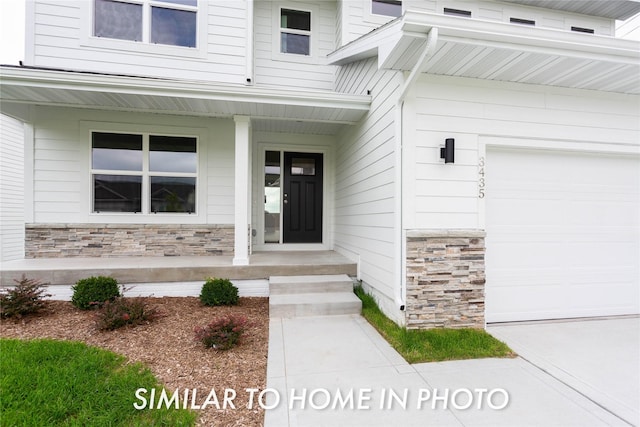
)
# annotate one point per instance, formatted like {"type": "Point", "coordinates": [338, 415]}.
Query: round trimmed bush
{"type": "Point", "coordinates": [93, 292]}
{"type": "Point", "coordinates": [219, 292]}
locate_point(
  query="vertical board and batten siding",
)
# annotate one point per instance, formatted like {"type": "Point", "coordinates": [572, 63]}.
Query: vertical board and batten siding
{"type": "Point", "coordinates": [62, 165]}
{"type": "Point", "coordinates": [63, 40]}
{"type": "Point", "coordinates": [446, 196]}
{"type": "Point", "coordinates": [365, 182]}
{"type": "Point", "coordinates": [11, 189]}
{"type": "Point", "coordinates": [289, 70]}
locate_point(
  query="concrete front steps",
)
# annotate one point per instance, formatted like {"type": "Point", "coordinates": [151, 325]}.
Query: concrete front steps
{"type": "Point", "coordinates": [319, 295]}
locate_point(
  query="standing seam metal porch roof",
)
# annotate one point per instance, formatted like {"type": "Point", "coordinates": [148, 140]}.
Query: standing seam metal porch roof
{"type": "Point", "coordinates": [501, 51]}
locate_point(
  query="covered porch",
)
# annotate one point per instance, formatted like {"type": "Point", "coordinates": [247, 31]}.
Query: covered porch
{"type": "Point", "coordinates": [180, 275]}
{"type": "Point", "coordinates": [229, 123]}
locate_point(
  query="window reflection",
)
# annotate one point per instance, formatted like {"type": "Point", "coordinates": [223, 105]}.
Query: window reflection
{"type": "Point", "coordinates": [387, 7]}
{"type": "Point", "coordinates": [173, 194]}
{"type": "Point", "coordinates": [272, 197]}
{"type": "Point", "coordinates": [173, 27]}
{"type": "Point", "coordinates": [117, 193]}
{"type": "Point", "coordinates": [303, 166]}
{"type": "Point", "coordinates": [172, 154]}
{"type": "Point", "coordinates": [118, 20]}
{"type": "Point", "coordinates": [295, 31]}
{"type": "Point", "coordinates": [116, 151]}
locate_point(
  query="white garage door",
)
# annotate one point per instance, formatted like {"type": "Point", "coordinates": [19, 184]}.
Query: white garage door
{"type": "Point", "coordinates": [562, 235]}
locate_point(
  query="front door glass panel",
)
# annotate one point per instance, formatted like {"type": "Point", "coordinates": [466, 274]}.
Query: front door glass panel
{"type": "Point", "coordinates": [272, 197]}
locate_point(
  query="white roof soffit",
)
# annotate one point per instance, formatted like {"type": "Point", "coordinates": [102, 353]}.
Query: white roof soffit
{"type": "Point", "coordinates": [501, 51]}
{"type": "Point", "coordinates": [612, 9]}
{"type": "Point", "coordinates": [36, 86]}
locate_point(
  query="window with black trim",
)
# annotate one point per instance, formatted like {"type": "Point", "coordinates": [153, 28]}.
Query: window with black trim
{"type": "Point", "coordinates": [386, 7]}
{"type": "Point", "coordinates": [143, 173]}
{"type": "Point", "coordinates": [167, 22]}
{"type": "Point", "coordinates": [295, 32]}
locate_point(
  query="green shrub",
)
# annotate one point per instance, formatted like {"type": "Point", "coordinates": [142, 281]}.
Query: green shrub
{"type": "Point", "coordinates": [27, 297]}
{"type": "Point", "coordinates": [219, 292]}
{"type": "Point", "coordinates": [222, 333]}
{"type": "Point", "coordinates": [125, 311]}
{"type": "Point", "coordinates": [93, 292]}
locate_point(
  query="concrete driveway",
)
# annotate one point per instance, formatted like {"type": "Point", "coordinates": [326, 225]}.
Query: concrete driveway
{"type": "Point", "coordinates": [338, 371]}
{"type": "Point", "coordinates": [599, 358]}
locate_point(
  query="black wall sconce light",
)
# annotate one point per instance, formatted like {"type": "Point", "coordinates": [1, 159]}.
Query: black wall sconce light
{"type": "Point", "coordinates": [446, 152]}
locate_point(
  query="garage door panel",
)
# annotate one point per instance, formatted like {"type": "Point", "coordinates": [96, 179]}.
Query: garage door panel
{"type": "Point", "coordinates": [585, 254]}
{"type": "Point", "coordinates": [525, 255]}
{"type": "Point", "coordinates": [552, 300]}
{"type": "Point", "coordinates": [562, 235]}
{"type": "Point", "coordinates": [516, 212]}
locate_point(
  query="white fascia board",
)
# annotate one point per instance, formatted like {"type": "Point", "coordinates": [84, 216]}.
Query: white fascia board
{"type": "Point", "coordinates": [366, 46]}
{"type": "Point", "coordinates": [526, 39]}
{"type": "Point", "coordinates": [490, 34]}
{"type": "Point", "coordinates": [77, 81]}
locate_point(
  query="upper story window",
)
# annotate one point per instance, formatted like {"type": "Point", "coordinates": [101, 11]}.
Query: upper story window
{"type": "Point", "coordinates": [143, 173]}
{"type": "Point", "coordinates": [168, 22]}
{"type": "Point", "coordinates": [386, 7]}
{"type": "Point", "coordinates": [295, 32]}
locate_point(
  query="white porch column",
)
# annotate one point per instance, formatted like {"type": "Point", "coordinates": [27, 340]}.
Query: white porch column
{"type": "Point", "coordinates": [242, 190]}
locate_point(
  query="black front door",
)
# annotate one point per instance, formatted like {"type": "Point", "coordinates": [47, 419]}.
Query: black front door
{"type": "Point", "coordinates": [302, 198]}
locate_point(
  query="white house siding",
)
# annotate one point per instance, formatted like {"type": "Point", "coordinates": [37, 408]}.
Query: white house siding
{"type": "Point", "coordinates": [446, 196]}
{"type": "Point", "coordinates": [365, 183]}
{"type": "Point", "coordinates": [11, 189]}
{"type": "Point", "coordinates": [357, 19]}
{"type": "Point", "coordinates": [295, 71]}
{"type": "Point", "coordinates": [485, 117]}
{"type": "Point", "coordinates": [62, 154]}
{"type": "Point", "coordinates": [62, 39]}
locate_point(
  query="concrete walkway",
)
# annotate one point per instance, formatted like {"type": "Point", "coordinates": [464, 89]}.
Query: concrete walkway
{"type": "Point", "coordinates": [599, 357]}
{"type": "Point", "coordinates": [338, 371]}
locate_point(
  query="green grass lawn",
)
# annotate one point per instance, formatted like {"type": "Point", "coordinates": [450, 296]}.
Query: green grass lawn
{"type": "Point", "coordinates": [63, 383]}
{"type": "Point", "coordinates": [431, 345]}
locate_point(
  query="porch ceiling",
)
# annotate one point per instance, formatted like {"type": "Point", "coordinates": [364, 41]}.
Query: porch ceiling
{"type": "Point", "coordinates": [504, 52]}
{"type": "Point", "coordinates": [312, 110]}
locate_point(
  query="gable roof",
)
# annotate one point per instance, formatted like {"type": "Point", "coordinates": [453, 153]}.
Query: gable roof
{"type": "Point", "coordinates": [501, 51]}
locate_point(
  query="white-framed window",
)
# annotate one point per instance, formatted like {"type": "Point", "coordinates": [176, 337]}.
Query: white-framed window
{"type": "Point", "coordinates": [295, 31]}
{"type": "Point", "coordinates": [164, 22]}
{"type": "Point", "coordinates": [143, 173]}
{"type": "Point", "coordinates": [386, 7]}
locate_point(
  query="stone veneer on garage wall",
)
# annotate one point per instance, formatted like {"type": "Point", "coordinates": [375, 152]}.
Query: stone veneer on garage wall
{"type": "Point", "coordinates": [120, 240]}
{"type": "Point", "coordinates": [445, 279]}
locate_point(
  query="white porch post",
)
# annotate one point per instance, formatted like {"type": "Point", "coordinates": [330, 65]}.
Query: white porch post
{"type": "Point", "coordinates": [242, 190]}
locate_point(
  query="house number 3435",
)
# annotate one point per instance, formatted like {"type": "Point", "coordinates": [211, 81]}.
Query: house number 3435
{"type": "Point", "coordinates": [481, 181]}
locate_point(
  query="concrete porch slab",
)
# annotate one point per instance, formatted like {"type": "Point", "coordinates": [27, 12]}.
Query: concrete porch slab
{"type": "Point", "coordinates": [262, 265]}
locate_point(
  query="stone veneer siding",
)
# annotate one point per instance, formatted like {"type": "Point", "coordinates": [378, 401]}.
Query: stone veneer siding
{"type": "Point", "coordinates": [121, 240]}
{"type": "Point", "coordinates": [445, 279]}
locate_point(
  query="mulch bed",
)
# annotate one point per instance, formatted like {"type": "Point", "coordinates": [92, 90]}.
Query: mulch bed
{"type": "Point", "coordinates": [167, 346]}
